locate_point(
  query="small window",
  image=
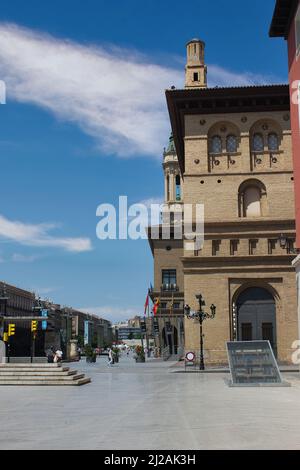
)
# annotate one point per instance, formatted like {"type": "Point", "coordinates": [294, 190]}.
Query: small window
{"type": "Point", "coordinates": [216, 144]}
{"type": "Point", "coordinates": [273, 142]}
{"type": "Point", "coordinates": [215, 247]}
{"type": "Point", "coordinates": [258, 143]}
{"type": "Point", "coordinates": [169, 278]}
{"type": "Point", "coordinates": [178, 188]}
{"type": "Point", "coordinates": [196, 77]}
{"type": "Point", "coordinates": [252, 247]}
{"type": "Point", "coordinates": [231, 144]}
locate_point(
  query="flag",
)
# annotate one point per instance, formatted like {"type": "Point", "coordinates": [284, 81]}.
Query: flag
{"type": "Point", "coordinates": [156, 305]}
{"type": "Point", "coordinates": [146, 304]}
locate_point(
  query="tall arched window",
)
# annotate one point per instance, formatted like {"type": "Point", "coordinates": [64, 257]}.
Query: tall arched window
{"type": "Point", "coordinates": [231, 144]}
{"type": "Point", "coordinates": [273, 143]}
{"type": "Point", "coordinates": [257, 143]}
{"type": "Point", "coordinates": [216, 144]}
{"type": "Point", "coordinates": [252, 202]}
{"type": "Point", "coordinates": [178, 188]}
{"type": "Point", "coordinates": [168, 187]}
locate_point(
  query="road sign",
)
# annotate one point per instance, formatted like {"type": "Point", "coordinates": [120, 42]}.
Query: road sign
{"type": "Point", "coordinates": [11, 329]}
{"type": "Point", "coordinates": [190, 356]}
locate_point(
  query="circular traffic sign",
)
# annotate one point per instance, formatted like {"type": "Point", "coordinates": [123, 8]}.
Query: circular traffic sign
{"type": "Point", "coordinates": [190, 356]}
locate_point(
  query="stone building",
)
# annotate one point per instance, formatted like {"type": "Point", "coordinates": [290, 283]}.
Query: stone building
{"type": "Point", "coordinates": [234, 152]}
{"type": "Point", "coordinates": [168, 274]}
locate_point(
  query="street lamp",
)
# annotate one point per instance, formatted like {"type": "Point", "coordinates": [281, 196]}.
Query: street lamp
{"type": "Point", "coordinates": [200, 316]}
{"type": "Point", "coordinates": [285, 244]}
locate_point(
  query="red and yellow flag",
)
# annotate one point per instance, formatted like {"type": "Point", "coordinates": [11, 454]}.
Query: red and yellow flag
{"type": "Point", "coordinates": [156, 305]}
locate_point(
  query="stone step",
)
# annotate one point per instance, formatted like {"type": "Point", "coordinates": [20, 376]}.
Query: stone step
{"type": "Point", "coordinates": [60, 378]}
{"type": "Point", "coordinates": [48, 382]}
{"type": "Point", "coordinates": [60, 370]}
{"type": "Point", "coordinates": [50, 373]}
{"type": "Point", "coordinates": [26, 366]}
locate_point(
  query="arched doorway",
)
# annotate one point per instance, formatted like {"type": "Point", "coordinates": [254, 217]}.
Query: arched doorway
{"type": "Point", "coordinates": [256, 316]}
{"type": "Point", "coordinates": [170, 338]}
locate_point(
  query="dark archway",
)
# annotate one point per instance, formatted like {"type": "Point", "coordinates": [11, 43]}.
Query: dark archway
{"type": "Point", "coordinates": [256, 316]}
{"type": "Point", "coordinates": [170, 338]}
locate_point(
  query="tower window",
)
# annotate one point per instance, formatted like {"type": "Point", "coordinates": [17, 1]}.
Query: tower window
{"type": "Point", "coordinates": [216, 144]}
{"type": "Point", "coordinates": [231, 144]}
{"type": "Point", "coordinates": [196, 77]}
{"type": "Point", "coordinates": [258, 143]}
{"type": "Point", "coordinates": [273, 142]}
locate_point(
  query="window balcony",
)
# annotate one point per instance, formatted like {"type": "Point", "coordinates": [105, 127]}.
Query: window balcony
{"type": "Point", "coordinates": [169, 288]}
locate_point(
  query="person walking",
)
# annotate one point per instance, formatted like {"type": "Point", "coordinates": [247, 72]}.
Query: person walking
{"type": "Point", "coordinates": [110, 358]}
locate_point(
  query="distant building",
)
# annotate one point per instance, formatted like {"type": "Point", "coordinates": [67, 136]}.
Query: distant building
{"type": "Point", "coordinates": [65, 327]}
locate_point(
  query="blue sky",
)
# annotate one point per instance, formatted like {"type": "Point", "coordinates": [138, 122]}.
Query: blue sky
{"type": "Point", "coordinates": [86, 121]}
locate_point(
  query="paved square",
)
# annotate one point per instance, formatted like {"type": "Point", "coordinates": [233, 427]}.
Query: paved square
{"type": "Point", "coordinates": [147, 406]}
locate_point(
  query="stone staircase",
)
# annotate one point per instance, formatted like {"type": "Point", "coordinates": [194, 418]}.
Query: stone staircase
{"type": "Point", "coordinates": [40, 374]}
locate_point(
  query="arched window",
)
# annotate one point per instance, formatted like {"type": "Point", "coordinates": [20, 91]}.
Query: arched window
{"type": "Point", "coordinates": [252, 202]}
{"type": "Point", "coordinates": [258, 143]}
{"type": "Point", "coordinates": [231, 144]}
{"type": "Point", "coordinates": [178, 188]}
{"type": "Point", "coordinates": [216, 144]}
{"type": "Point", "coordinates": [273, 144]}
{"type": "Point", "coordinates": [168, 188]}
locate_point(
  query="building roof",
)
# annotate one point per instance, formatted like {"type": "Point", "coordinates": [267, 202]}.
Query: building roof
{"type": "Point", "coordinates": [283, 15]}
{"type": "Point", "coordinates": [171, 146]}
{"type": "Point", "coordinates": [262, 98]}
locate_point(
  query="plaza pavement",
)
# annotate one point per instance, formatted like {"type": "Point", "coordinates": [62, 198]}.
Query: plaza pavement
{"type": "Point", "coordinates": [150, 406]}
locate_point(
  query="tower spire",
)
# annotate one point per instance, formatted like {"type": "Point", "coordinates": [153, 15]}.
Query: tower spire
{"type": "Point", "coordinates": [195, 70]}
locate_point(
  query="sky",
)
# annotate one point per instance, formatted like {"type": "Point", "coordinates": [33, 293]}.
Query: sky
{"type": "Point", "coordinates": [85, 121]}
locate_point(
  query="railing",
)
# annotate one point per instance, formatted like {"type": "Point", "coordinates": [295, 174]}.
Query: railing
{"type": "Point", "coordinates": [165, 353]}
{"type": "Point", "coordinates": [169, 288]}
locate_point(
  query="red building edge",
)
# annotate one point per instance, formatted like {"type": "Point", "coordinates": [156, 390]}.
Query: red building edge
{"type": "Point", "coordinates": [286, 24]}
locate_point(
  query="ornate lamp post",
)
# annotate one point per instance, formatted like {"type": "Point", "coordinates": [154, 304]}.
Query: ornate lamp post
{"type": "Point", "coordinates": [200, 316]}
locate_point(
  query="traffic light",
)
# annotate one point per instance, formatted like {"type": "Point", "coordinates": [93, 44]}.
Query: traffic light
{"type": "Point", "coordinates": [5, 337]}
{"type": "Point", "coordinates": [11, 329]}
{"type": "Point", "coordinates": [34, 325]}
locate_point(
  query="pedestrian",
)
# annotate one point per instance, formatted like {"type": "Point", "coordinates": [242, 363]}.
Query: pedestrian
{"type": "Point", "coordinates": [50, 355]}
{"type": "Point", "coordinates": [58, 355]}
{"type": "Point", "coordinates": [110, 358]}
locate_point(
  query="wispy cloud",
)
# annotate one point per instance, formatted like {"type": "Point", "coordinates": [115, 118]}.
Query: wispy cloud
{"type": "Point", "coordinates": [20, 258]}
{"type": "Point", "coordinates": [38, 235]}
{"type": "Point", "coordinates": [114, 95]}
{"type": "Point", "coordinates": [113, 313]}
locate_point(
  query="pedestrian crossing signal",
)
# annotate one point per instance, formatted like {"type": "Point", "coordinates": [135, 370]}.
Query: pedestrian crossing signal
{"type": "Point", "coordinates": [11, 329]}
{"type": "Point", "coordinates": [34, 325]}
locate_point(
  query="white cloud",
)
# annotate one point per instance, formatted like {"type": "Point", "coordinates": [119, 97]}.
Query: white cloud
{"type": "Point", "coordinates": [37, 235]}
{"type": "Point", "coordinates": [20, 258]}
{"type": "Point", "coordinates": [114, 95]}
{"type": "Point", "coordinates": [113, 313]}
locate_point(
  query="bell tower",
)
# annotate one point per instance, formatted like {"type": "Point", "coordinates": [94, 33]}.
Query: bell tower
{"type": "Point", "coordinates": [173, 180]}
{"type": "Point", "coordinates": [195, 70]}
